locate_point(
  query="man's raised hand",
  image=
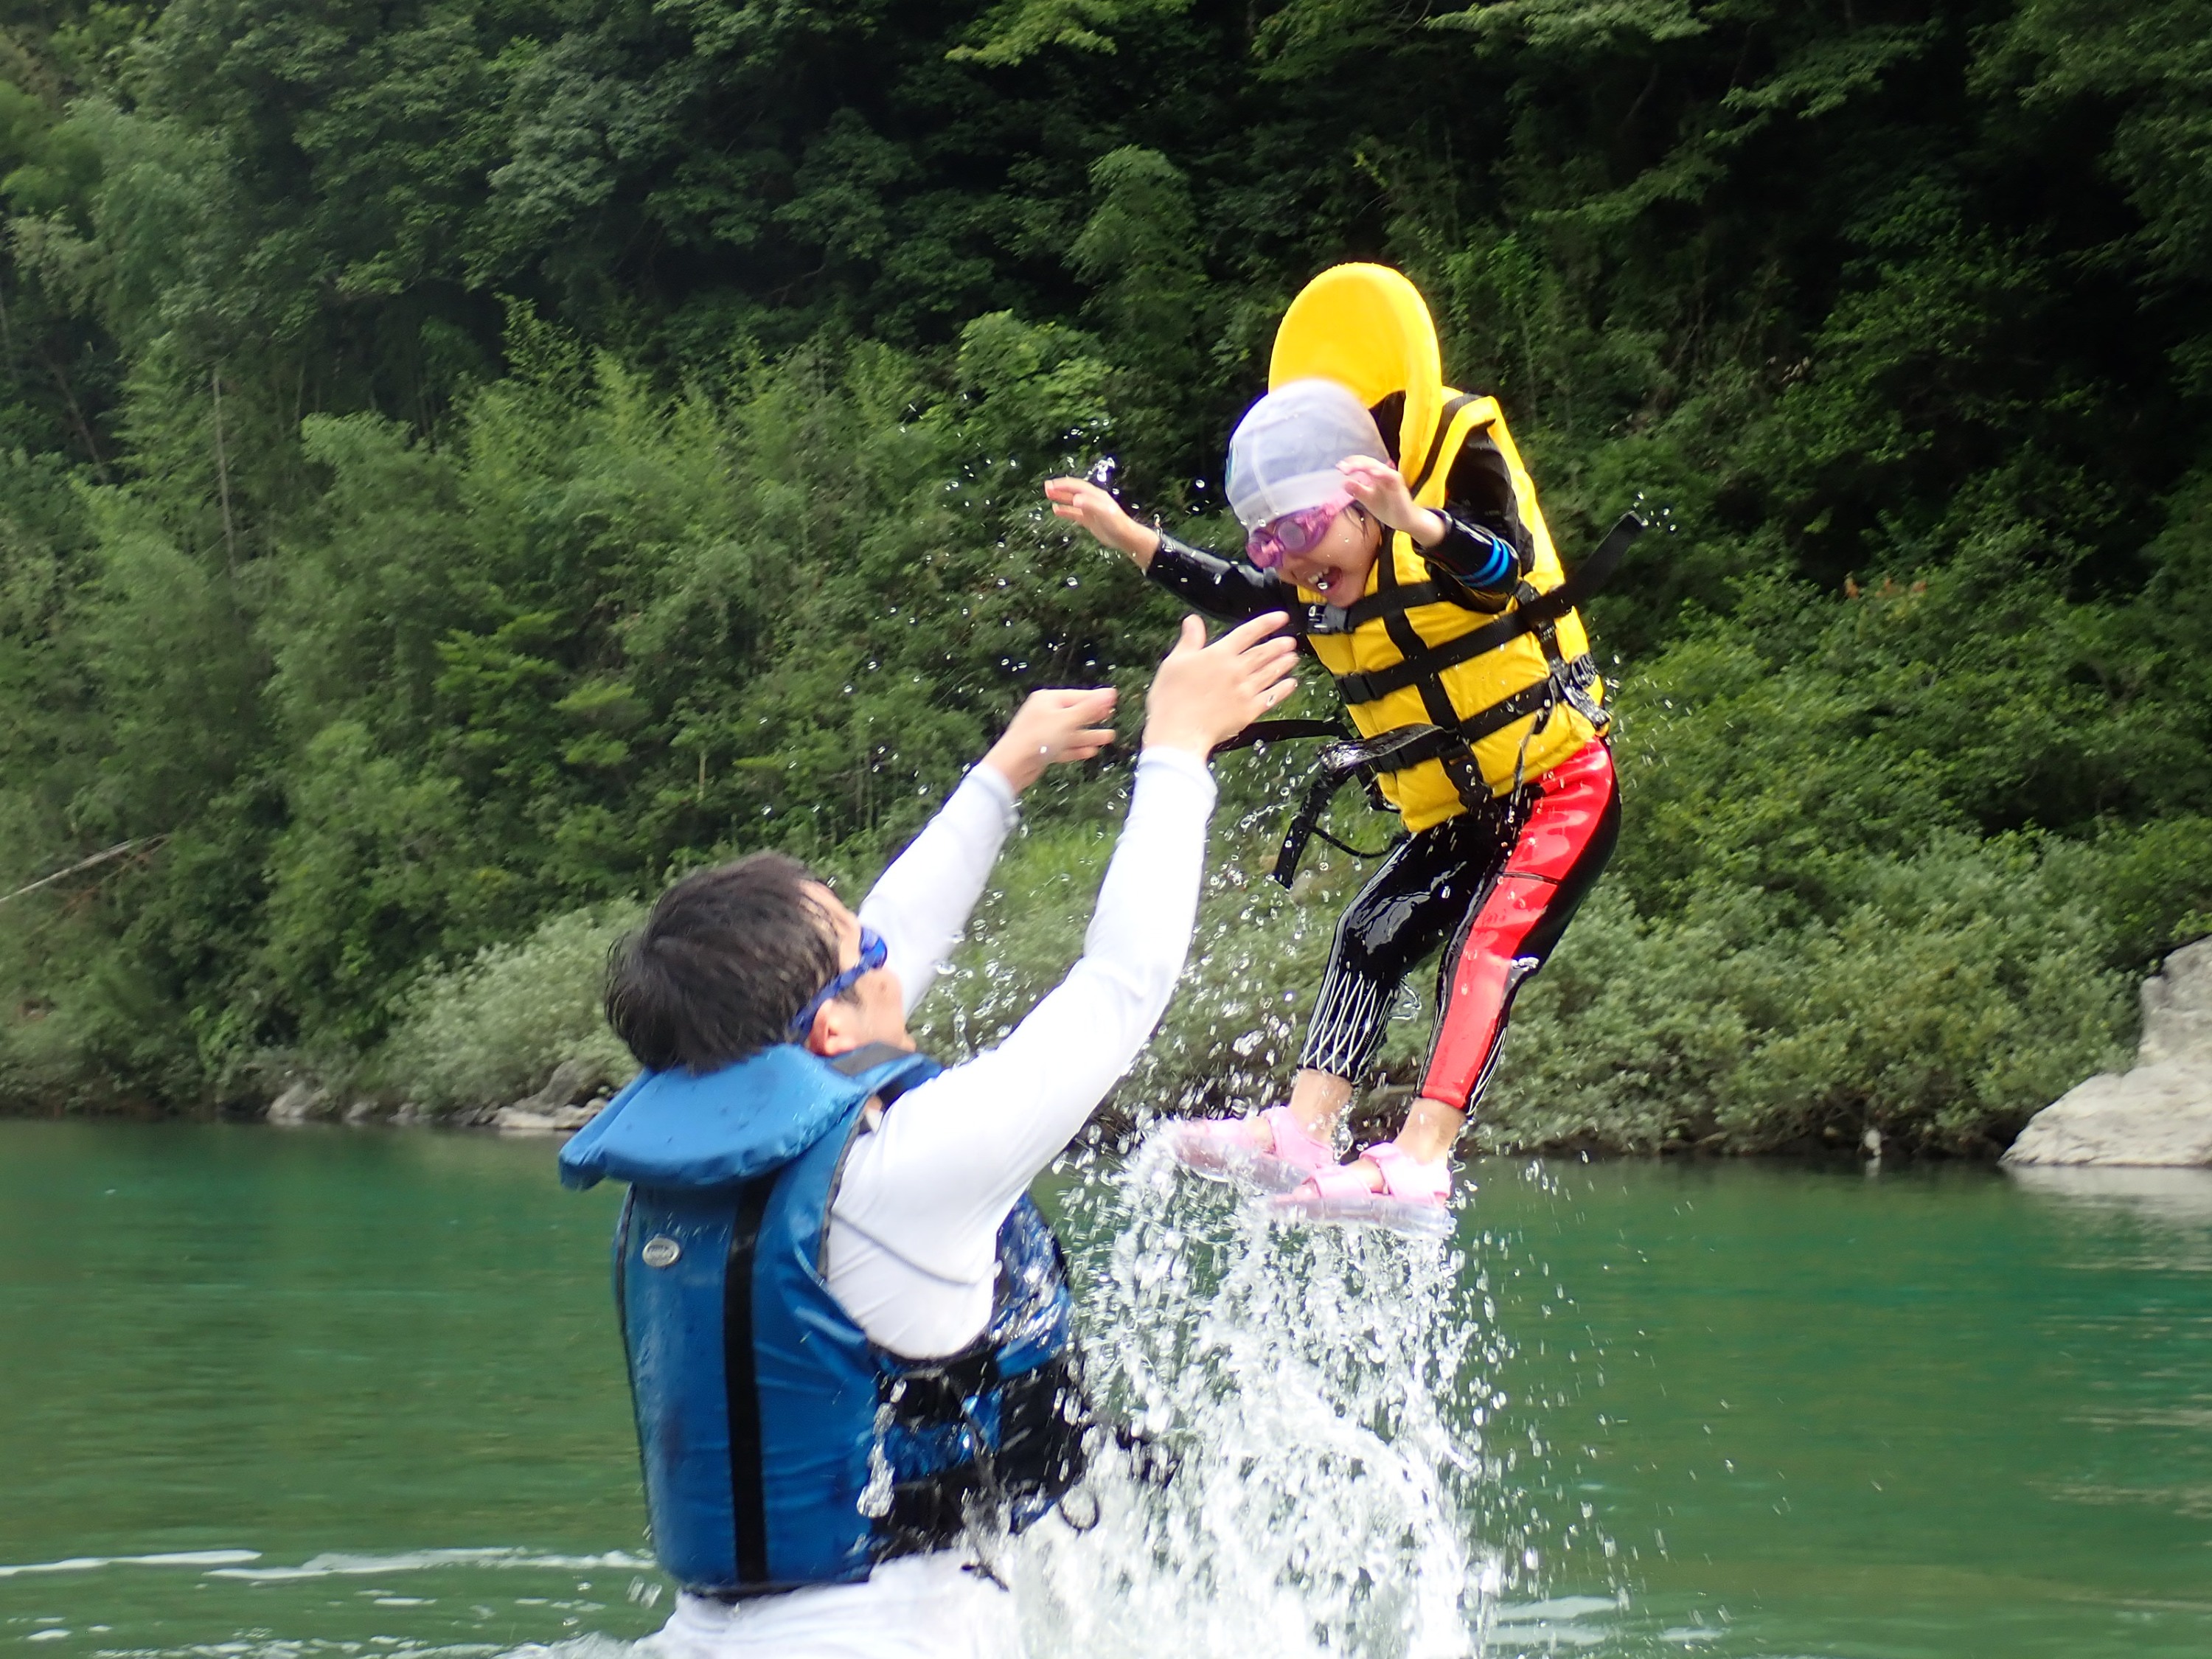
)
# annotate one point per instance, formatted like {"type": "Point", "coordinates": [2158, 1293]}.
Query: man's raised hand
{"type": "Point", "coordinates": [1052, 726]}
{"type": "Point", "coordinates": [1204, 693]}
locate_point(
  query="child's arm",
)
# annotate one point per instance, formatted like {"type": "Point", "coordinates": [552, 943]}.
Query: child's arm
{"type": "Point", "coordinates": [1459, 538]}
{"type": "Point", "coordinates": [1092, 506]}
{"type": "Point", "coordinates": [1227, 588]}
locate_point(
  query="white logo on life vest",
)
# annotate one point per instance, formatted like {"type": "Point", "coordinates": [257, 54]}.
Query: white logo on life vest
{"type": "Point", "coordinates": [660, 1251]}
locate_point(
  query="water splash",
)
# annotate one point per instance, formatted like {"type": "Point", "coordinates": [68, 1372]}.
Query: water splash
{"type": "Point", "coordinates": [1660, 517]}
{"type": "Point", "coordinates": [1323, 1390]}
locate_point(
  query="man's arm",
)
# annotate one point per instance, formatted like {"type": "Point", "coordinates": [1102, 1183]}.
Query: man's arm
{"type": "Point", "coordinates": [922, 901]}
{"type": "Point", "coordinates": [933, 1182]}
{"type": "Point", "coordinates": [950, 1157]}
{"type": "Point", "coordinates": [920, 904]}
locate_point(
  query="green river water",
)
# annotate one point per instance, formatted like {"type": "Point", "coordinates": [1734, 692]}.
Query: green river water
{"type": "Point", "coordinates": [267, 1394]}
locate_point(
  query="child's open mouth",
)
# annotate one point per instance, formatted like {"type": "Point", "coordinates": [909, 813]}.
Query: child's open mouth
{"type": "Point", "coordinates": [1335, 585]}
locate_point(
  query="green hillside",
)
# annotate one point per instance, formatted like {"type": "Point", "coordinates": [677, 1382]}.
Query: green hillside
{"type": "Point", "coordinates": [459, 463]}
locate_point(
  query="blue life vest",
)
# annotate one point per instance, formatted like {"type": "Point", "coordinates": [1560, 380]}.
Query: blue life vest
{"type": "Point", "coordinates": [781, 1448]}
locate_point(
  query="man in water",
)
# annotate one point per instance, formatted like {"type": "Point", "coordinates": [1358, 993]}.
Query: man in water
{"type": "Point", "coordinates": [848, 1328]}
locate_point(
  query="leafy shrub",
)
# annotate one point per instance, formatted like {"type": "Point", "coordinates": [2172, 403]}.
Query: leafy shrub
{"type": "Point", "coordinates": [1965, 988]}
{"type": "Point", "coordinates": [1231, 1032]}
{"type": "Point", "coordinates": [494, 1028]}
{"type": "Point", "coordinates": [1963, 992]}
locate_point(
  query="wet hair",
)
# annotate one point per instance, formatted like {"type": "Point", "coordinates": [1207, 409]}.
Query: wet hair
{"type": "Point", "coordinates": [725, 960]}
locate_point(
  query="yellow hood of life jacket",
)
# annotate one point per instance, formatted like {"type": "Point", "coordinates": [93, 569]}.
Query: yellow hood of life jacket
{"type": "Point", "coordinates": [1366, 327]}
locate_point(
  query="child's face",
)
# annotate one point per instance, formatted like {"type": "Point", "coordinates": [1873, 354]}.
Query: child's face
{"type": "Point", "coordinates": [1336, 565]}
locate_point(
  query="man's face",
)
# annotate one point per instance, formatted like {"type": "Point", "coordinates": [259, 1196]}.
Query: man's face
{"type": "Point", "coordinates": [874, 1010]}
{"type": "Point", "coordinates": [1336, 565]}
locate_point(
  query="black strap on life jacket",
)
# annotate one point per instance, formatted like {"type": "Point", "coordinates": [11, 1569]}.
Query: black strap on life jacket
{"type": "Point", "coordinates": [748, 1493]}
{"type": "Point", "coordinates": [1044, 1414]}
{"type": "Point", "coordinates": [866, 1058]}
{"type": "Point", "coordinates": [1361, 757]}
{"type": "Point", "coordinates": [1451, 741]}
{"type": "Point", "coordinates": [1392, 600]}
{"type": "Point", "coordinates": [1282, 732]}
{"type": "Point", "coordinates": [1528, 616]}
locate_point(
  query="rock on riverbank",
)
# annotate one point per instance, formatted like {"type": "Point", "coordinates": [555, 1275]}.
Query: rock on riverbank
{"type": "Point", "coordinates": [2158, 1112]}
{"type": "Point", "coordinates": [570, 1098]}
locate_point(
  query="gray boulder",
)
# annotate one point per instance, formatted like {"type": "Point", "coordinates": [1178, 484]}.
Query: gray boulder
{"type": "Point", "coordinates": [302, 1102]}
{"type": "Point", "coordinates": [2176, 1009]}
{"type": "Point", "coordinates": [2160, 1112]}
{"type": "Point", "coordinates": [520, 1119]}
{"type": "Point", "coordinates": [570, 1100]}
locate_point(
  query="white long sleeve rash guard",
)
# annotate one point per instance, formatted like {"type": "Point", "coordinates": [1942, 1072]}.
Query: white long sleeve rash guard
{"type": "Point", "coordinates": [914, 1229]}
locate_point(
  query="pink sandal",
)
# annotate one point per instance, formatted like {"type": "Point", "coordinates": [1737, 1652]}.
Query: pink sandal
{"type": "Point", "coordinates": [1223, 1149]}
{"type": "Point", "coordinates": [1415, 1197]}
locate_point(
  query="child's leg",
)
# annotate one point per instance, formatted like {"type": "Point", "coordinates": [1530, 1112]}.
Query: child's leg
{"type": "Point", "coordinates": [1572, 823]}
{"type": "Point", "coordinates": [1409, 906]}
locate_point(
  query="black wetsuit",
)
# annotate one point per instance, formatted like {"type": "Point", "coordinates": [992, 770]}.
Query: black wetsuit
{"type": "Point", "coordinates": [1500, 880]}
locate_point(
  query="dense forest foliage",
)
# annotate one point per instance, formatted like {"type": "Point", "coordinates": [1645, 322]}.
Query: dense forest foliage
{"type": "Point", "coordinates": [466, 461]}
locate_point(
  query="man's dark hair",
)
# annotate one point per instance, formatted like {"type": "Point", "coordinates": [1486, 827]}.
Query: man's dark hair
{"type": "Point", "coordinates": [726, 958]}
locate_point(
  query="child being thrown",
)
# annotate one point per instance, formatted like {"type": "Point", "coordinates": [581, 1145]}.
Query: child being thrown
{"type": "Point", "coordinates": [1391, 519]}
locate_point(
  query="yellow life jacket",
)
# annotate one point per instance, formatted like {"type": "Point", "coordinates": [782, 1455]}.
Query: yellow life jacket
{"type": "Point", "coordinates": [1511, 694]}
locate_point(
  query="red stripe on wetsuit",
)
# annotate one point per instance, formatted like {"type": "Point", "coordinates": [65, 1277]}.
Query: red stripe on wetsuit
{"type": "Point", "coordinates": [1572, 821]}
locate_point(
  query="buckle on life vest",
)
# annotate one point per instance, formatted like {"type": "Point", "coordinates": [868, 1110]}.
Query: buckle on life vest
{"type": "Point", "coordinates": [1574, 680]}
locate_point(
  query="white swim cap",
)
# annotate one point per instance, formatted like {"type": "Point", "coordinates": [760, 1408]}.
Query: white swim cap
{"type": "Point", "coordinates": [1283, 455]}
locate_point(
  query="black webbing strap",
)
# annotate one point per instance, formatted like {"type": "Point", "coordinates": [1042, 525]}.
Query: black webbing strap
{"type": "Point", "coordinates": [866, 1058]}
{"type": "Point", "coordinates": [1282, 732]}
{"type": "Point", "coordinates": [1337, 764]}
{"type": "Point", "coordinates": [1399, 751]}
{"type": "Point", "coordinates": [1589, 576]}
{"type": "Point", "coordinates": [1303, 822]}
{"type": "Point", "coordinates": [1391, 601]}
{"type": "Point", "coordinates": [741, 1381]}
{"type": "Point", "coordinates": [1436, 701]}
{"type": "Point", "coordinates": [1528, 700]}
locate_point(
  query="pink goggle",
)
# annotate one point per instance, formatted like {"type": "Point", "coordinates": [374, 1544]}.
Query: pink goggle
{"type": "Point", "coordinates": [1293, 533]}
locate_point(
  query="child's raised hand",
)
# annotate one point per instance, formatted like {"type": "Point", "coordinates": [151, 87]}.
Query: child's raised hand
{"type": "Point", "coordinates": [1381, 489]}
{"type": "Point", "coordinates": [1081, 501]}
{"type": "Point", "coordinates": [1051, 726]}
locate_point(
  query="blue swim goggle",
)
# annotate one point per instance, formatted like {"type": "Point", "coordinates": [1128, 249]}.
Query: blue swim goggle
{"type": "Point", "coordinates": [873, 954]}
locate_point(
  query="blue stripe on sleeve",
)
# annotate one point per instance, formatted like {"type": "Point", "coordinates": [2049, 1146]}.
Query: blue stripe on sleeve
{"type": "Point", "coordinates": [1495, 566]}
